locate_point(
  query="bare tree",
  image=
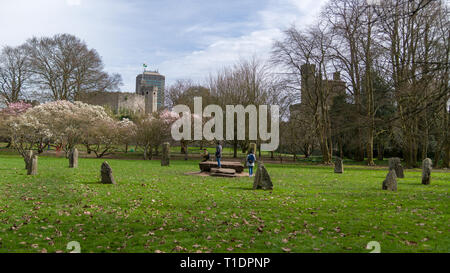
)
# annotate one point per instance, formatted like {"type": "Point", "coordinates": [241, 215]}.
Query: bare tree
{"type": "Point", "coordinates": [63, 67]}
{"type": "Point", "coordinates": [311, 47]}
{"type": "Point", "coordinates": [298, 134]}
{"type": "Point", "coordinates": [346, 21]}
{"type": "Point", "coordinates": [14, 73]}
{"type": "Point", "coordinates": [414, 48]}
{"type": "Point", "coordinates": [247, 82]}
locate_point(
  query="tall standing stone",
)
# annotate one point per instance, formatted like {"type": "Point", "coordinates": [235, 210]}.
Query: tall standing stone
{"type": "Point", "coordinates": [338, 165]}
{"type": "Point", "coordinates": [390, 183]}
{"type": "Point", "coordinates": [426, 171]}
{"type": "Point", "coordinates": [106, 172]}
{"type": "Point", "coordinates": [73, 158]}
{"type": "Point", "coordinates": [165, 159]}
{"type": "Point", "coordinates": [262, 178]}
{"type": "Point", "coordinates": [396, 165]}
{"type": "Point", "coordinates": [33, 167]}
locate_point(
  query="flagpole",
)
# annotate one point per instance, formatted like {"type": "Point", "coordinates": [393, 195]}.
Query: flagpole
{"type": "Point", "coordinates": [142, 80]}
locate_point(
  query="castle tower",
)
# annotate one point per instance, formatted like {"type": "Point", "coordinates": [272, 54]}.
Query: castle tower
{"type": "Point", "coordinates": [151, 100]}
{"type": "Point", "coordinates": [308, 77]}
{"type": "Point", "coordinates": [145, 84]}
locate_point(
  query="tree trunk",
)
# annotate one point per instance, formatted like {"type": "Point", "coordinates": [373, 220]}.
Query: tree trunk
{"type": "Point", "coordinates": [370, 161]}
{"type": "Point", "coordinates": [145, 152]}
{"type": "Point", "coordinates": [359, 156]}
{"type": "Point", "coordinates": [150, 153]}
{"type": "Point", "coordinates": [446, 158]}
{"type": "Point", "coordinates": [259, 150]}
{"type": "Point", "coordinates": [380, 149]}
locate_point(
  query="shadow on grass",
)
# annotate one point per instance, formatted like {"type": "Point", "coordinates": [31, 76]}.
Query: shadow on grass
{"type": "Point", "coordinates": [92, 182]}
{"type": "Point", "coordinates": [240, 188]}
{"type": "Point", "coordinates": [419, 183]}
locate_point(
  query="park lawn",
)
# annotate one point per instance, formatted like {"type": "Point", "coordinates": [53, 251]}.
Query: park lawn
{"type": "Point", "coordinates": [154, 208]}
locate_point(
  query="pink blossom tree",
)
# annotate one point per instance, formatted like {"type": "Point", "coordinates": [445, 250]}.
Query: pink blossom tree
{"type": "Point", "coordinates": [15, 108]}
{"type": "Point", "coordinates": [12, 110]}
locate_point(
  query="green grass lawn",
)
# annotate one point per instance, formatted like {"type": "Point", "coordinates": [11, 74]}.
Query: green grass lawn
{"type": "Point", "coordinates": [156, 208]}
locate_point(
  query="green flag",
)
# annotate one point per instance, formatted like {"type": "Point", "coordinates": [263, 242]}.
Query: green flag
{"type": "Point", "coordinates": [144, 65]}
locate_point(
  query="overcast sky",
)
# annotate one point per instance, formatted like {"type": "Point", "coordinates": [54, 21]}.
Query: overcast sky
{"type": "Point", "coordinates": [183, 39]}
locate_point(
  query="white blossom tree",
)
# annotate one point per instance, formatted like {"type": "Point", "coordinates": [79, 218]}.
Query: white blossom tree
{"type": "Point", "coordinates": [152, 130]}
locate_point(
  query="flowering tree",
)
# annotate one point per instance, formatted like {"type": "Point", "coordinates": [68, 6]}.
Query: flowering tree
{"type": "Point", "coordinates": [26, 132]}
{"type": "Point", "coordinates": [101, 137]}
{"type": "Point", "coordinates": [126, 132]}
{"type": "Point", "coordinates": [68, 121]}
{"type": "Point", "coordinates": [60, 121]}
{"type": "Point", "coordinates": [16, 108]}
{"type": "Point", "coordinates": [105, 134]}
{"type": "Point", "coordinates": [12, 110]}
{"type": "Point", "coordinates": [152, 130]}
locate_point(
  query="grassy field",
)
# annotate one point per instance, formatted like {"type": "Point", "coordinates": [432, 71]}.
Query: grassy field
{"type": "Point", "coordinates": [160, 209]}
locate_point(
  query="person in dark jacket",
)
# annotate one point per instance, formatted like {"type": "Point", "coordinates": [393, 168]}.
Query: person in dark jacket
{"type": "Point", "coordinates": [250, 163]}
{"type": "Point", "coordinates": [218, 153]}
{"type": "Point", "coordinates": [205, 155]}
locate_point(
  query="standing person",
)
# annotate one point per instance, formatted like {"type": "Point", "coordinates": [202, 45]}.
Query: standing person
{"type": "Point", "coordinates": [218, 153]}
{"type": "Point", "coordinates": [250, 163]}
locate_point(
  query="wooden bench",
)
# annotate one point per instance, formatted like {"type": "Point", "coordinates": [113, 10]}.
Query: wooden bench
{"type": "Point", "coordinates": [207, 165]}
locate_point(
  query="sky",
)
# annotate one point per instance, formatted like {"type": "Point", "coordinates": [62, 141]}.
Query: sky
{"type": "Point", "coordinates": [182, 39]}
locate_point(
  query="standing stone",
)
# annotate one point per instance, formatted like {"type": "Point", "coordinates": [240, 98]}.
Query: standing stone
{"type": "Point", "coordinates": [262, 178]}
{"type": "Point", "coordinates": [396, 165]}
{"type": "Point", "coordinates": [338, 165]}
{"type": "Point", "coordinates": [73, 158]}
{"type": "Point", "coordinates": [426, 171]}
{"type": "Point", "coordinates": [390, 183]}
{"type": "Point", "coordinates": [106, 172]}
{"type": "Point", "coordinates": [33, 167]}
{"type": "Point", "coordinates": [165, 159]}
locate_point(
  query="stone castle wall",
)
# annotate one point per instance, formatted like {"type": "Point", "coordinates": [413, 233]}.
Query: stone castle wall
{"type": "Point", "coordinates": [336, 87]}
{"type": "Point", "coordinates": [131, 101]}
{"type": "Point", "coordinates": [116, 100]}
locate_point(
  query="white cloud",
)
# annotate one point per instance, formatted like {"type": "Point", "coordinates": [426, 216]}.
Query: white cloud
{"type": "Point", "coordinates": [223, 51]}
{"type": "Point", "coordinates": [189, 40]}
{"type": "Point", "coordinates": [73, 2]}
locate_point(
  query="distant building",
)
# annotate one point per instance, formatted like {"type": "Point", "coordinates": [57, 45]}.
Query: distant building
{"type": "Point", "coordinates": [336, 87]}
{"type": "Point", "coordinates": [116, 101]}
{"type": "Point", "coordinates": [145, 85]}
{"type": "Point", "coordinates": [149, 96]}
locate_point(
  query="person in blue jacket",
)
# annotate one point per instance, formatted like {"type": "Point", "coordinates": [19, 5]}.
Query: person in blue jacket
{"type": "Point", "coordinates": [250, 163]}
